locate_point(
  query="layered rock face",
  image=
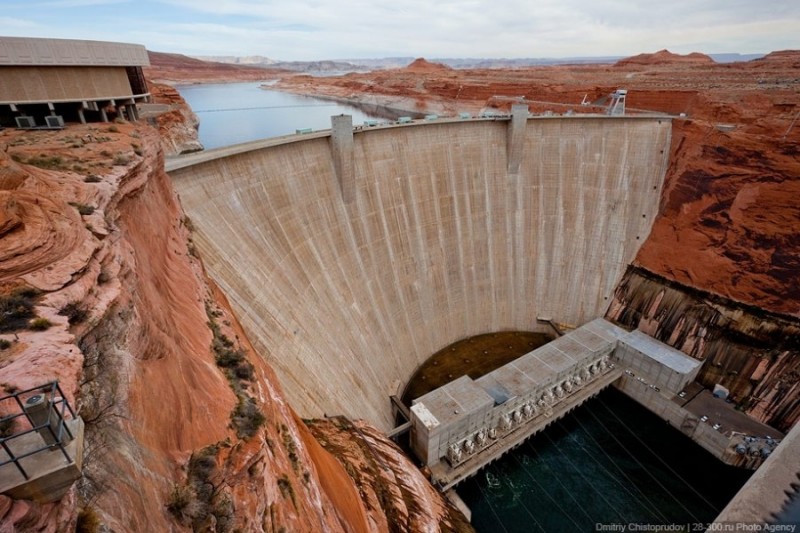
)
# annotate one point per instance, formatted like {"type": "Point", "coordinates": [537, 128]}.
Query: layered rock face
{"type": "Point", "coordinates": [178, 124]}
{"type": "Point", "coordinates": [186, 425]}
{"type": "Point", "coordinates": [171, 68]}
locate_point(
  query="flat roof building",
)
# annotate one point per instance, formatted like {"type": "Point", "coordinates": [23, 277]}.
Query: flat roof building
{"type": "Point", "coordinates": [72, 79]}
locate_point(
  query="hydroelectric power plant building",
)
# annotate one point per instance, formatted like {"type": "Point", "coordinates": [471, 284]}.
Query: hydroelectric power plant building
{"type": "Point", "coordinates": [462, 426]}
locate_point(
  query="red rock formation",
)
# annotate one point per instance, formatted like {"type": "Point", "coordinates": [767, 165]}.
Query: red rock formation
{"type": "Point", "coordinates": [665, 57]}
{"type": "Point", "coordinates": [729, 217]}
{"type": "Point", "coordinates": [176, 67]}
{"type": "Point", "coordinates": [178, 124]}
{"type": "Point", "coordinates": [396, 497]}
{"type": "Point", "coordinates": [422, 65]}
{"type": "Point", "coordinates": [787, 58]}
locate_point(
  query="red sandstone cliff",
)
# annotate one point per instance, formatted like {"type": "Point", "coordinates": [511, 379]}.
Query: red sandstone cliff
{"type": "Point", "coordinates": [665, 57]}
{"type": "Point", "coordinates": [177, 123]}
{"type": "Point", "coordinates": [186, 425]}
{"type": "Point", "coordinates": [171, 68]}
{"type": "Point", "coordinates": [423, 65]}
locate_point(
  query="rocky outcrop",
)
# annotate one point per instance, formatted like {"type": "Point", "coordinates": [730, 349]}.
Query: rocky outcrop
{"type": "Point", "coordinates": [789, 58]}
{"type": "Point", "coordinates": [396, 495]}
{"type": "Point", "coordinates": [421, 64]}
{"type": "Point", "coordinates": [728, 220]}
{"type": "Point", "coordinates": [665, 57]}
{"type": "Point", "coordinates": [186, 427]}
{"type": "Point", "coordinates": [177, 123]}
{"type": "Point", "coordinates": [171, 68]}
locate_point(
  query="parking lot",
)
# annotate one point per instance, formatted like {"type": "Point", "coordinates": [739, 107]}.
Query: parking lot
{"type": "Point", "coordinates": [701, 402]}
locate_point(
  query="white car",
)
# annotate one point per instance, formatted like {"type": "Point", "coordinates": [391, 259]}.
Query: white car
{"type": "Point", "coordinates": [703, 418]}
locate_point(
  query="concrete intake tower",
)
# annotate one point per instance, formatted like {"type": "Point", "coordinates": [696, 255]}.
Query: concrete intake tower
{"type": "Point", "coordinates": [352, 256]}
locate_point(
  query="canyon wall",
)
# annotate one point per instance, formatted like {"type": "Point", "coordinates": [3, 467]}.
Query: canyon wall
{"type": "Point", "coordinates": [346, 299]}
{"type": "Point", "coordinates": [177, 124]}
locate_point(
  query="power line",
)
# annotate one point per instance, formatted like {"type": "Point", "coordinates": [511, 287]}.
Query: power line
{"type": "Point", "coordinates": [489, 503]}
{"type": "Point", "coordinates": [641, 465]}
{"type": "Point", "coordinates": [791, 126]}
{"type": "Point", "coordinates": [263, 107]}
{"type": "Point", "coordinates": [540, 526]}
{"type": "Point", "coordinates": [657, 457]}
{"type": "Point", "coordinates": [588, 482]}
{"type": "Point", "coordinates": [646, 501]}
{"type": "Point", "coordinates": [569, 493]}
{"type": "Point", "coordinates": [563, 512]}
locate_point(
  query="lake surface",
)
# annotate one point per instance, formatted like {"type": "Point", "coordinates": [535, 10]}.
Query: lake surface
{"type": "Point", "coordinates": [232, 113]}
{"type": "Point", "coordinates": [609, 462]}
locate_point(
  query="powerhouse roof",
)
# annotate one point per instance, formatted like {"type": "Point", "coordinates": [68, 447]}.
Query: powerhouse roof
{"type": "Point", "coordinates": [28, 51]}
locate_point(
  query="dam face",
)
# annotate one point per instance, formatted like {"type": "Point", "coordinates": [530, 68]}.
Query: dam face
{"type": "Point", "coordinates": [347, 295]}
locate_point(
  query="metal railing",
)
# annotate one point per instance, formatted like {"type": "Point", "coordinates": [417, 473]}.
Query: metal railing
{"type": "Point", "coordinates": [43, 410]}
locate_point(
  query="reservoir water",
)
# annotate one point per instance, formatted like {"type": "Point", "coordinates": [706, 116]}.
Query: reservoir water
{"type": "Point", "coordinates": [232, 113]}
{"type": "Point", "coordinates": [609, 462]}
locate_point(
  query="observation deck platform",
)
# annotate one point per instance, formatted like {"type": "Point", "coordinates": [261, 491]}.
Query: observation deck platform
{"type": "Point", "coordinates": [41, 444]}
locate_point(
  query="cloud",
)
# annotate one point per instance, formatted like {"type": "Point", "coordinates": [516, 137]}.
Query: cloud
{"type": "Point", "coordinates": [318, 29]}
{"type": "Point", "coordinates": [513, 28]}
{"type": "Point", "coordinates": [33, 5]}
{"type": "Point", "coordinates": [15, 27]}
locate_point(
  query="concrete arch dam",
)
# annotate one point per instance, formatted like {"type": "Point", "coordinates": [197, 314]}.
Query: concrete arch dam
{"type": "Point", "coordinates": [444, 230]}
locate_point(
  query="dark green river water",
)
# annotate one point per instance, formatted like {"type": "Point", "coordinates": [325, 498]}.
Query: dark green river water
{"type": "Point", "coordinates": [609, 462]}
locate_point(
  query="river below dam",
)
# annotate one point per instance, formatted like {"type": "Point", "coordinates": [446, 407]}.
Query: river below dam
{"type": "Point", "coordinates": [608, 462]}
{"type": "Point", "coordinates": [233, 113]}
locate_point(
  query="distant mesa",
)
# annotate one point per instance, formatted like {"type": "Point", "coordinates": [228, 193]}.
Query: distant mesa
{"type": "Point", "coordinates": [423, 65]}
{"type": "Point", "coordinates": [665, 57]}
{"type": "Point", "coordinates": [178, 67]}
{"type": "Point", "coordinates": [791, 58]}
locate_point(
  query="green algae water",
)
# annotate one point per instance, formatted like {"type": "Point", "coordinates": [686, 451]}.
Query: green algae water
{"type": "Point", "coordinates": [608, 462]}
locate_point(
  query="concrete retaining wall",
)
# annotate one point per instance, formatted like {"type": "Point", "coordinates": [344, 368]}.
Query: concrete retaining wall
{"type": "Point", "coordinates": [439, 242]}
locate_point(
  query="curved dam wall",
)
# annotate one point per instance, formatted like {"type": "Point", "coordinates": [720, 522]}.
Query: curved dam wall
{"type": "Point", "coordinates": [437, 242]}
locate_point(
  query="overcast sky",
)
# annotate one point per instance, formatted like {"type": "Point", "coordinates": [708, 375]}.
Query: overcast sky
{"type": "Point", "coordinates": [338, 29]}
